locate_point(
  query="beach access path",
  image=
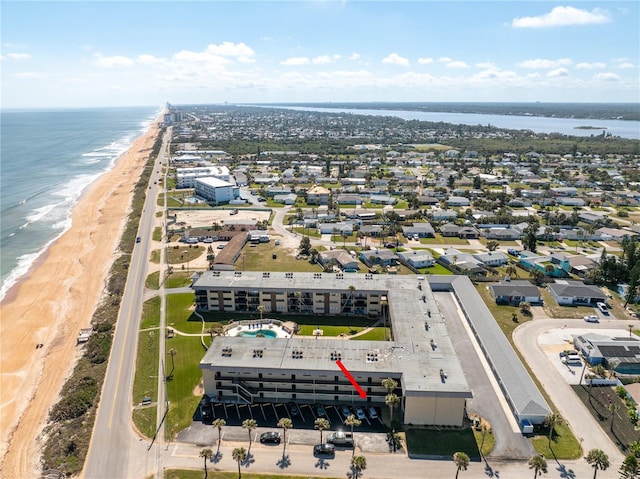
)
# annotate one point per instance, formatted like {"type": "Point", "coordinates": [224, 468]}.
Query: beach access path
{"type": "Point", "coordinates": [50, 305]}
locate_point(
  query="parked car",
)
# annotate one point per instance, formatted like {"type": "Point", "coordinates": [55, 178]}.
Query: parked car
{"type": "Point", "coordinates": [591, 318]}
{"type": "Point", "coordinates": [603, 308]}
{"type": "Point", "coordinates": [572, 359]}
{"type": "Point", "coordinates": [373, 414]}
{"type": "Point", "coordinates": [320, 411]}
{"type": "Point", "coordinates": [346, 411]}
{"type": "Point", "coordinates": [324, 450]}
{"type": "Point", "coordinates": [293, 408]}
{"type": "Point", "coordinates": [270, 437]}
{"type": "Point", "coordinates": [360, 413]}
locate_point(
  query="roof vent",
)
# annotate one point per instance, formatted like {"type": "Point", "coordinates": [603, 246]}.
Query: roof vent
{"type": "Point", "coordinates": [297, 354]}
{"type": "Point", "coordinates": [336, 356]}
{"type": "Point", "coordinates": [226, 352]}
{"type": "Point", "coordinates": [257, 353]}
{"type": "Point", "coordinates": [372, 357]}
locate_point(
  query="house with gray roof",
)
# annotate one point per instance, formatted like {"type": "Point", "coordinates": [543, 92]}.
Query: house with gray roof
{"type": "Point", "coordinates": [417, 258]}
{"type": "Point", "coordinates": [423, 230]}
{"type": "Point", "coordinates": [576, 293]}
{"type": "Point", "coordinates": [515, 292]}
{"type": "Point", "coordinates": [492, 258]}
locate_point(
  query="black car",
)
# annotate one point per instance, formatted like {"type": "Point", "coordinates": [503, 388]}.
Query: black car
{"type": "Point", "coordinates": [272, 437]}
{"type": "Point", "coordinates": [324, 450]}
{"type": "Point", "coordinates": [293, 408]}
{"type": "Point", "coordinates": [206, 409]}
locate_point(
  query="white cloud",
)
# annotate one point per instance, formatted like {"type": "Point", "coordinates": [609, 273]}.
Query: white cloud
{"type": "Point", "coordinates": [590, 66]}
{"type": "Point", "coordinates": [229, 49]}
{"type": "Point", "coordinates": [115, 61]}
{"type": "Point", "coordinates": [30, 75]}
{"type": "Point", "coordinates": [354, 56]}
{"type": "Point", "coordinates": [149, 60]}
{"type": "Point", "coordinates": [563, 16]}
{"type": "Point", "coordinates": [325, 59]}
{"type": "Point", "coordinates": [558, 72]}
{"type": "Point", "coordinates": [395, 59]}
{"type": "Point", "coordinates": [457, 64]}
{"type": "Point", "coordinates": [293, 61]}
{"type": "Point", "coordinates": [606, 76]}
{"type": "Point", "coordinates": [494, 74]}
{"type": "Point", "coordinates": [425, 61]}
{"type": "Point", "coordinates": [445, 59]}
{"type": "Point", "coordinates": [486, 65]}
{"type": "Point", "coordinates": [625, 65]}
{"type": "Point", "coordinates": [545, 64]}
{"type": "Point", "coordinates": [16, 56]}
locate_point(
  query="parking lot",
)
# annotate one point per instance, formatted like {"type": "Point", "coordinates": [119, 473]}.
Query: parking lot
{"type": "Point", "coordinates": [370, 435]}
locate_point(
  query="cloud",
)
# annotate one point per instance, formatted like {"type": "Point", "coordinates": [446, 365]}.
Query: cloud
{"type": "Point", "coordinates": [395, 59]}
{"type": "Point", "coordinates": [606, 76]}
{"type": "Point", "coordinates": [486, 65]}
{"type": "Point", "coordinates": [545, 64]}
{"type": "Point", "coordinates": [590, 66]}
{"type": "Point", "coordinates": [445, 59]}
{"type": "Point", "coordinates": [425, 61]}
{"type": "Point", "coordinates": [325, 59]}
{"type": "Point", "coordinates": [115, 61]}
{"type": "Point", "coordinates": [30, 75]}
{"type": "Point", "coordinates": [562, 17]}
{"type": "Point", "coordinates": [293, 61]}
{"type": "Point", "coordinates": [149, 60]}
{"type": "Point", "coordinates": [354, 56]}
{"type": "Point", "coordinates": [624, 65]}
{"type": "Point", "coordinates": [558, 72]}
{"type": "Point", "coordinates": [229, 49]}
{"type": "Point", "coordinates": [16, 56]}
{"type": "Point", "coordinates": [457, 64]}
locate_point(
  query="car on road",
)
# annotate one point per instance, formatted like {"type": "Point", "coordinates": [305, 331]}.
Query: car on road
{"type": "Point", "coordinates": [324, 450]}
{"type": "Point", "coordinates": [346, 412]}
{"type": "Point", "coordinates": [360, 413]}
{"type": "Point", "coordinates": [270, 437]}
{"type": "Point", "coordinates": [591, 318]}
{"type": "Point", "coordinates": [138, 239]}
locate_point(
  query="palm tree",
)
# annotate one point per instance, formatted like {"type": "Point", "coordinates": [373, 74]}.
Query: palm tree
{"type": "Point", "coordinates": [358, 464]}
{"type": "Point", "coordinates": [261, 309]}
{"type": "Point", "coordinates": [219, 424]}
{"type": "Point", "coordinates": [391, 400]}
{"type": "Point", "coordinates": [352, 421]}
{"type": "Point", "coordinates": [511, 270]}
{"type": "Point", "coordinates": [249, 425]}
{"type": "Point", "coordinates": [551, 421]}
{"type": "Point", "coordinates": [390, 385]}
{"type": "Point", "coordinates": [206, 454]}
{"type": "Point", "coordinates": [612, 408]}
{"type": "Point", "coordinates": [285, 423]}
{"type": "Point", "coordinates": [549, 269]}
{"type": "Point", "coordinates": [598, 460]}
{"type": "Point", "coordinates": [629, 468]}
{"type": "Point", "coordinates": [461, 460]}
{"type": "Point", "coordinates": [239, 455]}
{"type": "Point", "coordinates": [538, 464]}
{"type": "Point", "coordinates": [321, 424]}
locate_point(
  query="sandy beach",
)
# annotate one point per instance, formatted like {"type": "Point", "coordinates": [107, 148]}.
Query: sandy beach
{"type": "Point", "coordinates": [52, 303]}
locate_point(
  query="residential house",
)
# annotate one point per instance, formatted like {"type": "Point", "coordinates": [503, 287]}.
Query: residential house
{"type": "Point", "coordinates": [383, 257]}
{"type": "Point", "coordinates": [515, 292]}
{"type": "Point", "coordinates": [555, 265]}
{"type": "Point", "coordinates": [417, 258]}
{"type": "Point", "coordinates": [423, 230]}
{"type": "Point", "coordinates": [342, 258]}
{"type": "Point", "coordinates": [449, 229]}
{"type": "Point", "coordinates": [492, 258]}
{"type": "Point", "coordinates": [458, 202]}
{"type": "Point", "coordinates": [383, 199]}
{"type": "Point", "coordinates": [318, 195]}
{"type": "Point", "coordinates": [349, 199]}
{"type": "Point", "coordinates": [443, 215]}
{"type": "Point", "coordinates": [462, 261]}
{"type": "Point", "coordinates": [289, 199]}
{"type": "Point", "coordinates": [576, 293]}
{"type": "Point", "coordinates": [569, 201]}
{"type": "Point", "coordinates": [341, 228]}
{"type": "Point", "coordinates": [503, 233]}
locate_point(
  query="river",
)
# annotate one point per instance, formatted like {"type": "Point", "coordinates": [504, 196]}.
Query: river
{"type": "Point", "coordinates": [537, 124]}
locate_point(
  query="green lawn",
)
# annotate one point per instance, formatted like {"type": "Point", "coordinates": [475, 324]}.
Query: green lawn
{"type": "Point", "coordinates": [564, 444]}
{"type": "Point", "coordinates": [439, 239]}
{"type": "Point", "coordinates": [376, 334]}
{"type": "Point", "coordinates": [150, 313]}
{"type": "Point", "coordinates": [311, 232]}
{"type": "Point", "coordinates": [259, 258]}
{"type": "Point", "coordinates": [145, 382]}
{"type": "Point", "coordinates": [435, 269]}
{"type": "Point", "coordinates": [443, 442]}
{"type": "Point", "coordinates": [153, 281]}
{"type": "Point", "coordinates": [307, 330]}
{"type": "Point", "coordinates": [178, 279]}
{"type": "Point", "coordinates": [488, 444]}
{"type": "Point", "coordinates": [185, 378]}
{"type": "Point", "coordinates": [179, 313]}
{"type": "Point", "coordinates": [144, 419]}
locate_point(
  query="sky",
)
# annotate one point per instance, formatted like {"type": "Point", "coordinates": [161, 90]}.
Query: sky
{"type": "Point", "coordinates": [99, 53]}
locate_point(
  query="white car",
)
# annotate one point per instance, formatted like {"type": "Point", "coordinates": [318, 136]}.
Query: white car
{"type": "Point", "coordinates": [591, 318]}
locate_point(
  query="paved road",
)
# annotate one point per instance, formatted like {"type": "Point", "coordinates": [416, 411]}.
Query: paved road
{"type": "Point", "coordinates": [583, 424]}
{"type": "Point", "coordinates": [108, 456]}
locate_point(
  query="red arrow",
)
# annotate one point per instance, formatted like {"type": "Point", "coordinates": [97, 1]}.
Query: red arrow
{"type": "Point", "coordinates": [351, 378]}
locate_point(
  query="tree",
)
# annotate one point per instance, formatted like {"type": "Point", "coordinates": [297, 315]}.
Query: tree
{"type": "Point", "coordinates": [305, 245]}
{"type": "Point", "coordinates": [358, 464]}
{"type": "Point", "coordinates": [321, 424]}
{"type": "Point", "coordinates": [634, 282]}
{"type": "Point", "coordinates": [549, 269]}
{"type": "Point", "coordinates": [525, 308]}
{"type": "Point", "coordinates": [206, 454]}
{"type": "Point", "coordinates": [285, 423]}
{"type": "Point", "coordinates": [261, 310]}
{"type": "Point", "coordinates": [612, 408]}
{"type": "Point", "coordinates": [492, 245]}
{"type": "Point", "coordinates": [551, 421]}
{"type": "Point", "coordinates": [511, 270]}
{"type": "Point", "coordinates": [352, 421]}
{"type": "Point", "coordinates": [629, 468]}
{"type": "Point", "coordinates": [597, 459]}
{"type": "Point", "coordinates": [536, 275]}
{"type": "Point", "coordinates": [389, 384]}
{"type": "Point", "coordinates": [239, 455]}
{"type": "Point", "coordinates": [249, 425]}
{"type": "Point", "coordinates": [461, 460]}
{"type": "Point", "coordinates": [529, 240]}
{"type": "Point", "coordinates": [391, 400]}
{"type": "Point", "coordinates": [538, 464]}
{"type": "Point", "coordinates": [219, 424]}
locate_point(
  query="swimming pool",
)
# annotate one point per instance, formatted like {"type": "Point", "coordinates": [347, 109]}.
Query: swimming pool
{"type": "Point", "coordinates": [267, 333]}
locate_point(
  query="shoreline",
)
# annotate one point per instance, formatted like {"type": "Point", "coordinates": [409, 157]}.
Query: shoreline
{"type": "Point", "coordinates": [53, 300]}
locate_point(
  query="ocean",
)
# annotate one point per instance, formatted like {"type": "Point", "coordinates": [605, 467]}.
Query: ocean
{"type": "Point", "coordinates": [47, 159]}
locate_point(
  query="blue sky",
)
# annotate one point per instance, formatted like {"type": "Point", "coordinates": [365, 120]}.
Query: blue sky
{"type": "Point", "coordinates": [94, 53]}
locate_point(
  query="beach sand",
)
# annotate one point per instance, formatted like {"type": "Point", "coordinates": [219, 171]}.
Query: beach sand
{"type": "Point", "coordinates": [52, 303]}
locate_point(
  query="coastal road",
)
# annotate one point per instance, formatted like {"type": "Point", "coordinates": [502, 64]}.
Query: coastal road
{"type": "Point", "coordinates": [110, 449]}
